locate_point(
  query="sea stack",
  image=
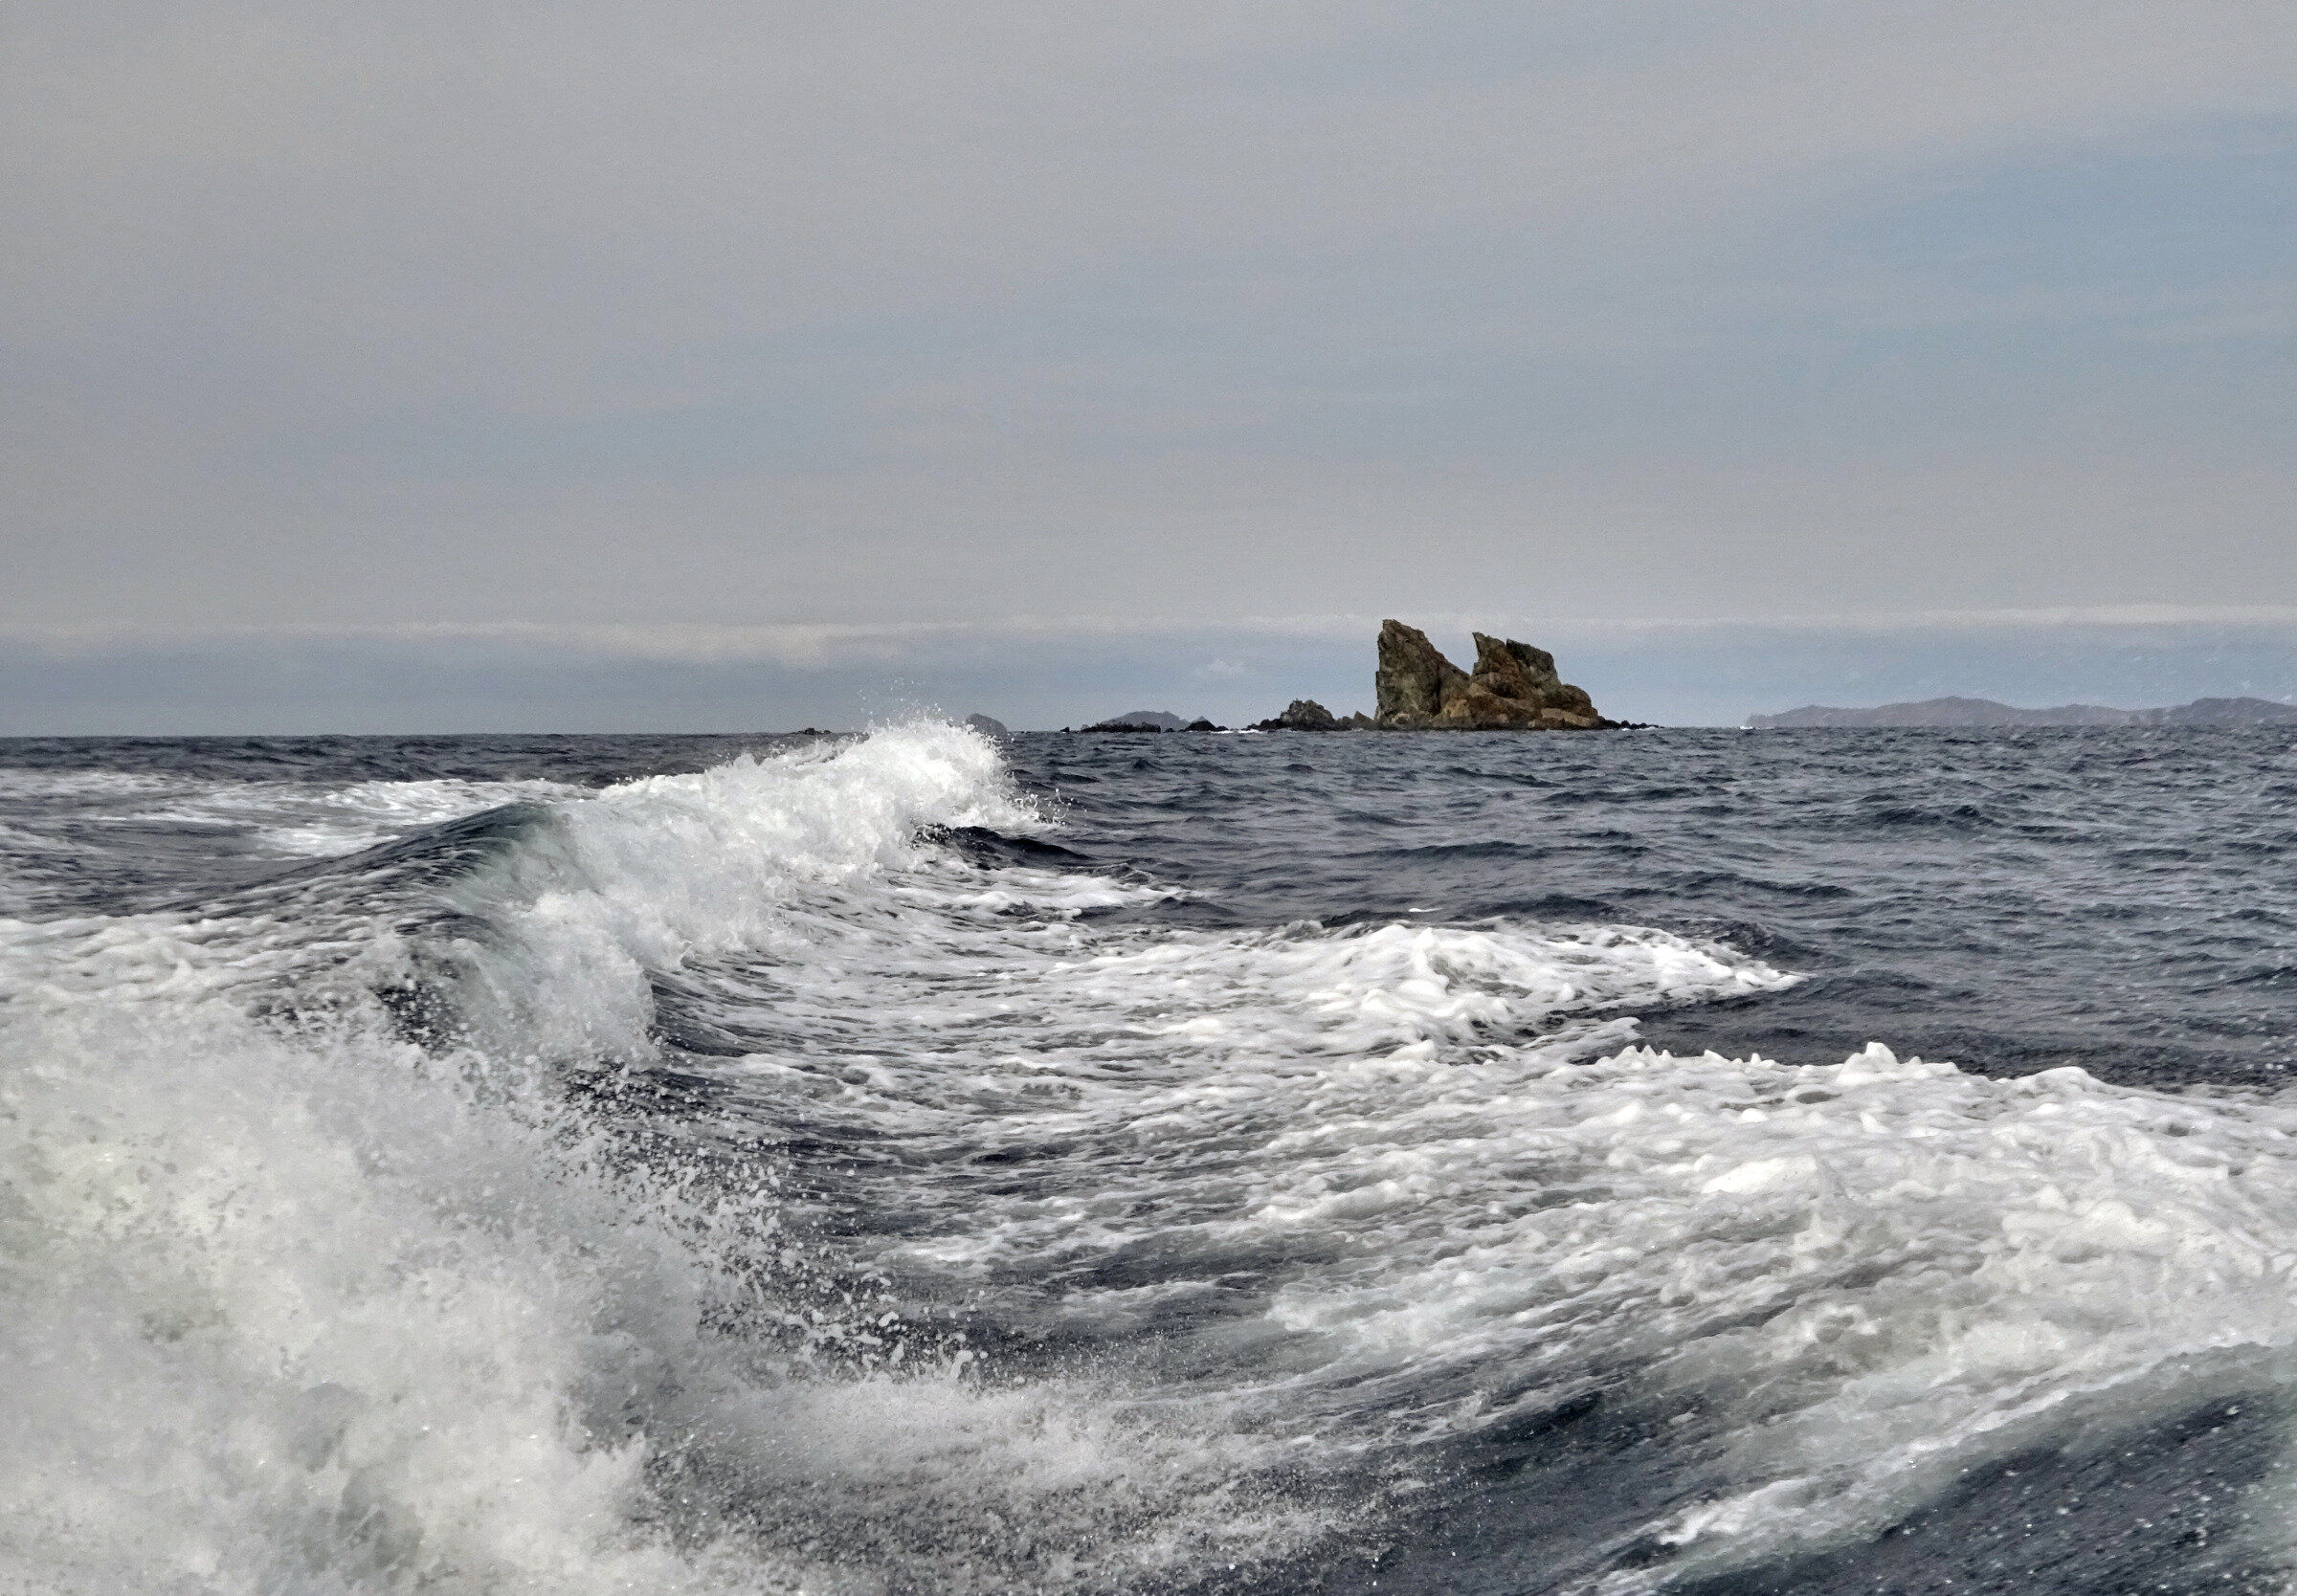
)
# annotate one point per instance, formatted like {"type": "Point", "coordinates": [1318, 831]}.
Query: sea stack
{"type": "Point", "coordinates": [1514, 687]}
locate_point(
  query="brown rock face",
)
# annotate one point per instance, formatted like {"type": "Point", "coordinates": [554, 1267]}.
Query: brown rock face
{"type": "Point", "coordinates": [1515, 687]}
{"type": "Point", "coordinates": [1478, 707]}
{"type": "Point", "coordinates": [1413, 679]}
{"type": "Point", "coordinates": [1515, 669]}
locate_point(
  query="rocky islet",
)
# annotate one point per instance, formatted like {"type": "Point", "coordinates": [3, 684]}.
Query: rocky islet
{"type": "Point", "coordinates": [1514, 687]}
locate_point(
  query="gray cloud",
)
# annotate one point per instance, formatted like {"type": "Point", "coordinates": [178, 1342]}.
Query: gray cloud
{"type": "Point", "coordinates": [705, 315]}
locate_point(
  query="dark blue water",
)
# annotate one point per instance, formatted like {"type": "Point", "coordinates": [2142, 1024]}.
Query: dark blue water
{"type": "Point", "coordinates": [1396, 1161]}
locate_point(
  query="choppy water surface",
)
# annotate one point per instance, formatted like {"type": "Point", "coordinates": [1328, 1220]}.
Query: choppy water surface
{"type": "Point", "coordinates": [1653, 1162]}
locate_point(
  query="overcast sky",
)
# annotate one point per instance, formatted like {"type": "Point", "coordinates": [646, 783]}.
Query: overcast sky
{"type": "Point", "coordinates": [432, 349]}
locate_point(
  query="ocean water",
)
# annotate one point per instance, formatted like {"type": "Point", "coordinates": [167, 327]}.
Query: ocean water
{"type": "Point", "coordinates": [1674, 1161]}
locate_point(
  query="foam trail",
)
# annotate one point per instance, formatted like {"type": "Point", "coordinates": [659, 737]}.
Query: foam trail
{"type": "Point", "coordinates": [296, 1314]}
{"type": "Point", "coordinates": [304, 1307]}
{"type": "Point", "coordinates": [324, 1288]}
{"type": "Point", "coordinates": [1847, 1285]}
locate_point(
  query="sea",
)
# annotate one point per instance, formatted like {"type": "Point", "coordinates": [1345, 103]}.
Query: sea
{"type": "Point", "coordinates": [913, 1162]}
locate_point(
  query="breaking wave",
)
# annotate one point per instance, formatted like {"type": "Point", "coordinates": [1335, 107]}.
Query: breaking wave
{"type": "Point", "coordinates": [754, 1180]}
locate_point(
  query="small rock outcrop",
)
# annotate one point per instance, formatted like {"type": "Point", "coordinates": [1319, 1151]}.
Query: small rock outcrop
{"type": "Point", "coordinates": [1141, 720]}
{"type": "Point", "coordinates": [1514, 687]}
{"type": "Point", "coordinates": [1302, 714]}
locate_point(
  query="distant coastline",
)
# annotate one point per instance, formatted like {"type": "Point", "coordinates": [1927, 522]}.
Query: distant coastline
{"type": "Point", "coordinates": [1985, 712]}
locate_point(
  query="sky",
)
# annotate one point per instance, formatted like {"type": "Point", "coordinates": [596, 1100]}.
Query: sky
{"type": "Point", "coordinates": [427, 367]}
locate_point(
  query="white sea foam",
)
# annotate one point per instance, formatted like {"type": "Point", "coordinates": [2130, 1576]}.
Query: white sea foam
{"type": "Point", "coordinates": [751, 856]}
{"type": "Point", "coordinates": [306, 1308]}
{"type": "Point", "coordinates": [315, 1314]}
{"type": "Point", "coordinates": [66, 820]}
{"type": "Point", "coordinates": [310, 1308]}
{"type": "Point", "coordinates": [285, 1315]}
{"type": "Point", "coordinates": [327, 823]}
{"type": "Point", "coordinates": [296, 820]}
{"type": "Point", "coordinates": [1857, 1280]}
{"type": "Point", "coordinates": [1847, 1285]}
{"type": "Point", "coordinates": [18, 783]}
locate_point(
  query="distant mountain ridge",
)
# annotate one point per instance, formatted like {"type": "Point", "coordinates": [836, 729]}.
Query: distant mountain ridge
{"type": "Point", "coordinates": [1985, 712]}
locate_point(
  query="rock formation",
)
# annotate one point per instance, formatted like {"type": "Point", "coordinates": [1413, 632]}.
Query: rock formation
{"type": "Point", "coordinates": [1301, 714]}
{"type": "Point", "coordinates": [1514, 687]}
{"type": "Point", "coordinates": [1413, 680]}
{"type": "Point", "coordinates": [1141, 720]}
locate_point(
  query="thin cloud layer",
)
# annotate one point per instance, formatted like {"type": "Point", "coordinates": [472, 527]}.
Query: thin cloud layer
{"type": "Point", "coordinates": [884, 316]}
{"type": "Point", "coordinates": [1048, 672]}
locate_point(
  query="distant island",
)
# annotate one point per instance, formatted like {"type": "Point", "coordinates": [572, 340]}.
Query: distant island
{"type": "Point", "coordinates": [1514, 687]}
{"type": "Point", "coordinates": [1149, 720]}
{"type": "Point", "coordinates": [1985, 712]}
